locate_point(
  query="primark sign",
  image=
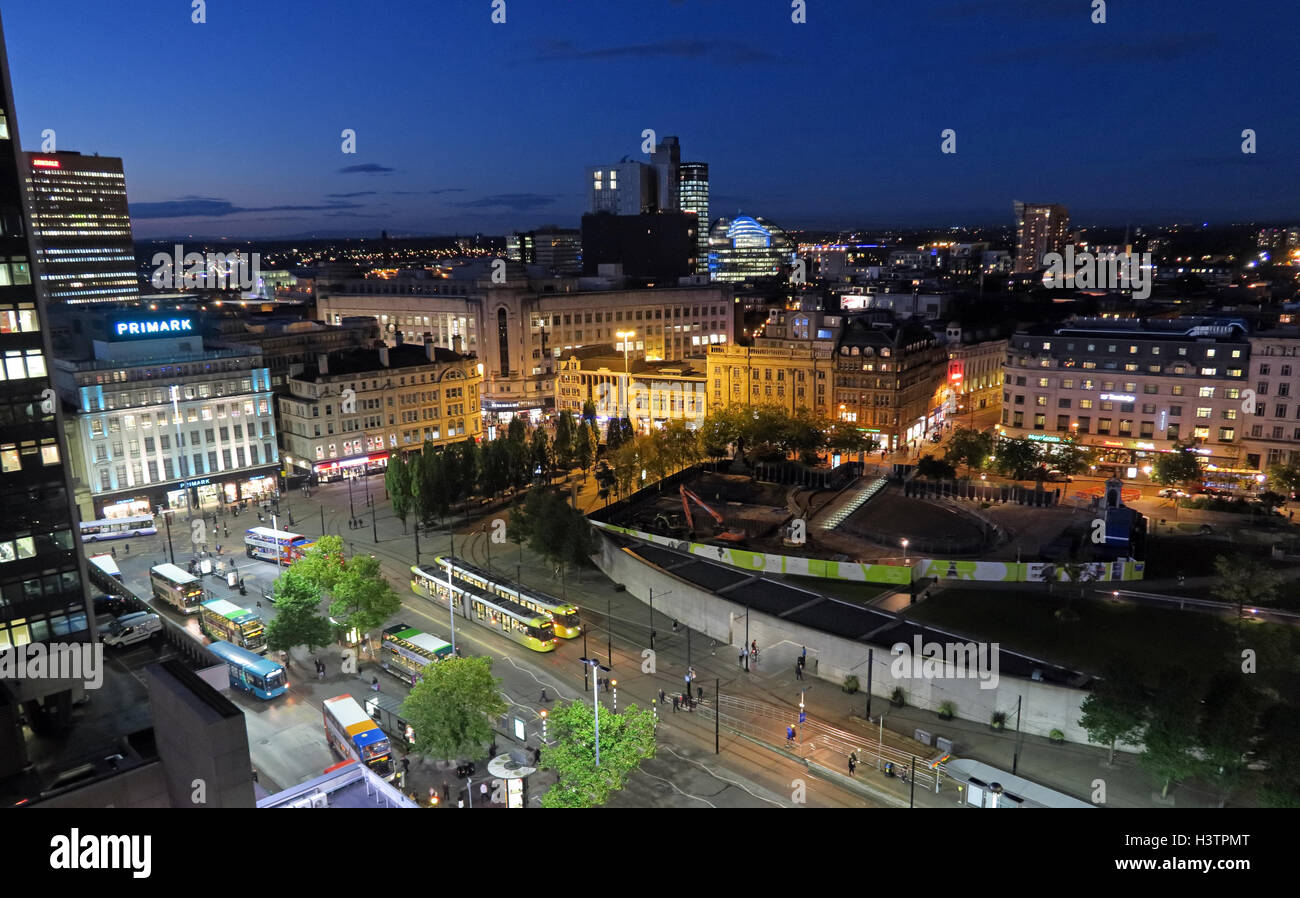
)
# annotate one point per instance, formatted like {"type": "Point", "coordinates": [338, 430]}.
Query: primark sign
{"type": "Point", "coordinates": [152, 327]}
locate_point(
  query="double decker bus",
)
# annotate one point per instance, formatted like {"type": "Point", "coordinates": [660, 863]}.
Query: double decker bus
{"type": "Point", "coordinates": [251, 672]}
{"type": "Point", "coordinates": [117, 528]}
{"type": "Point", "coordinates": [275, 545]}
{"type": "Point", "coordinates": [510, 619]}
{"type": "Point", "coordinates": [354, 735]}
{"type": "Point", "coordinates": [563, 615]}
{"type": "Point", "coordinates": [225, 621]}
{"type": "Point", "coordinates": [408, 651]}
{"type": "Point", "coordinates": [177, 587]}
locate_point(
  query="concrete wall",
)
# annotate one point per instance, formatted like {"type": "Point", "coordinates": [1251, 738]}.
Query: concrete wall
{"type": "Point", "coordinates": [831, 658]}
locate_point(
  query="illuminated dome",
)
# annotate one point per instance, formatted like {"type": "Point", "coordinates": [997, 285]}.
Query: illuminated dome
{"type": "Point", "coordinates": [748, 249]}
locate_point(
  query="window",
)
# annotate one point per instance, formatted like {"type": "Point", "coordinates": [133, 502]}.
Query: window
{"type": "Point", "coordinates": [1103, 425]}
{"type": "Point", "coordinates": [1227, 434]}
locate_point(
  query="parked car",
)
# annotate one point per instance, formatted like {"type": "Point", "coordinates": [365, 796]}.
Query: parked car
{"type": "Point", "coordinates": [1055, 476]}
{"type": "Point", "coordinates": [1170, 492]}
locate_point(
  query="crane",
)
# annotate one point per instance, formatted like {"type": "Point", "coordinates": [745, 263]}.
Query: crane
{"type": "Point", "coordinates": [733, 536]}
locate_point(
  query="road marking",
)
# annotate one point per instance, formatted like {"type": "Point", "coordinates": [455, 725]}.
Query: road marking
{"type": "Point", "coordinates": [674, 785]}
{"type": "Point", "coordinates": [715, 775]}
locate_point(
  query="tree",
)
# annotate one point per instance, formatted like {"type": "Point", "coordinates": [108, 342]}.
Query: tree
{"type": "Point", "coordinates": [1170, 736]}
{"type": "Point", "coordinates": [846, 438]}
{"type": "Point", "coordinates": [613, 435]}
{"type": "Point", "coordinates": [584, 450]}
{"type": "Point", "coordinates": [589, 413]}
{"type": "Point", "coordinates": [1071, 458]}
{"type": "Point", "coordinates": [1229, 718]}
{"type": "Point", "coordinates": [453, 707]}
{"type": "Point", "coordinates": [1281, 734]}
{"type": "Point", "coordinates": [297, 620]}
{"type": "Point", "coordinates": [626, 739]}
{"type": "Point", "coordinates": [1285, 478]}
{"type": "Point", "coordinates": [398, 481]}
{"type": "Point", "coordinates": [606, 481]}
{"type": "Point", "coordinates": [564, 441]}
{"type": "Point", "coordinates": [469, 468]}
{"type": "Point", "coordinates": [932, 468]}
{"type": "Point", "coordinates": [542, 457]}
{"type": "Point", "coordinates": [970, 447]}
{"type": "Point", "coordinates": [1115, 710]}
{"type": "Point", "coordinates": [1178, 467]}
{"type": "Point", "coordinates": [1245, 581]}
{"type": "Point", "coordinates": [1017, 457]}
{"type": "Point", "coordinates": [362, 598]}
{"type": "Point", "coordinates": [322, 564]}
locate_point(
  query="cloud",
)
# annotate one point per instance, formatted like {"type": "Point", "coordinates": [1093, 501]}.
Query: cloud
{"type": "Point", "coordinates": [730, 52]}
{"type": "Point", "coordinates": [350, 195]}
{"type": "Point", "coordinates": [517, 202]}
{"type": "Point", "coordinates": [368, 168]}
{"type": "Point", "coordinates": [207, 207]}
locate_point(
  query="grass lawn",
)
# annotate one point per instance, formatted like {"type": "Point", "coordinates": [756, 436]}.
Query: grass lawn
{"type": "Point", "coordinates": [1145, 639]}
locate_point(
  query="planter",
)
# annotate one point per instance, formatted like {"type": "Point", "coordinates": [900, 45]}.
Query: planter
{"type": "Point", "coordinates": [850, 685]}
{"type": "Point", "coordinates": [1057, 737]}
{"type": "Point", "coordinates": [896, 699]}
{"type": "Point", "coordinates": [947, 711]}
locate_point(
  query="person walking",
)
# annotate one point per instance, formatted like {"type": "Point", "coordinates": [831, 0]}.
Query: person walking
{"type": "Point", "coordinates": [544, 699]}
{"type": "Point", "coordinates": [741, 656]}
{"type": "Point", "coordinates": [675, 702]}
{"type": "Point", "coordinates": [853, 762]}
{"type": "Point", "coordinates": [798, 671]}
{"type": "Point", "coordinates": [374, 683]}
{"type": "Point", "coordinates": [114, 551]}
{"type": "Point", "coordinates": [661, 696]}
{"type": "Point", "coordinates": [789, 735]}
{"type": "Point", "coordinates": [446, 791]}
{"type": "Point", "coordinates": [483, 792]}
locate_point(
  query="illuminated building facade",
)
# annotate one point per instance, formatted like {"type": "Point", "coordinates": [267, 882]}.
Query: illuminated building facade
{"type": "Point", "coordinates": [1040, 229]}
{"type": "Point", "coordinates": [748, 249]}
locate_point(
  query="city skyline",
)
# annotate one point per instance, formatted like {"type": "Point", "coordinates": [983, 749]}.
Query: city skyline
{"type": "Point", "coordinates": [473, 127]}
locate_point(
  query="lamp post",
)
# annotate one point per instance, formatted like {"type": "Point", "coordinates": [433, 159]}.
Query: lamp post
{"type": "Point", "coordinates": [627, 399]}
{"type": "Point", "coordinates": [451, 609]}
{"type": "Point", "coordinates": [904, 551]}
{"type": "Point", "coordinates": [352, 510]}
{"type": "Point", "coordinates": [595, 697]}
{"type": "Point", "coordinates": [167, 517]}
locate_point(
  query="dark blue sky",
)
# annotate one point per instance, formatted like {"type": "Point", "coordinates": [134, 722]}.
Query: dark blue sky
{"type": "Point", "coordinates": [232, 128]}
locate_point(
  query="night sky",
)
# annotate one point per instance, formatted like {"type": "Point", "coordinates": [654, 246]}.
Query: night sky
{"type": "Point", "coordinates": [232, 128]}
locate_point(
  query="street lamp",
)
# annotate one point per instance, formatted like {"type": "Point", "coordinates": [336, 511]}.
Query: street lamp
{"type": "Point", "coordinates": [626, 336]}
{"type": "Point", "coordinates": [595, 666]}
{"type": "Point", "coordinates": [904, 551]}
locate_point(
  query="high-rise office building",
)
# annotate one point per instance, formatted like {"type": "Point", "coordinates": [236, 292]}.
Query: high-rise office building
{"type": "Point", "coordinates": [1040, 229]}
{"type": "Point", "coordinates": [693, 193]}
{"type": "Point", "coordinates": [666, 160]}
{"type": "Point", "coordinates": [42, 576]}
{"type": "Point", "coordinates": [627, 188]}
{"type": "Point", "coordinates": [82, 228]}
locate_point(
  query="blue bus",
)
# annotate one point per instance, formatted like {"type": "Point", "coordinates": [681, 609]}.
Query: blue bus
{"type": "Point", "coordinates": [251, 672]}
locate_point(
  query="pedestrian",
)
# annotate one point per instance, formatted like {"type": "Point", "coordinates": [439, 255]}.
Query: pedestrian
{"type": "Point", "coordinates": [675, 702]}
{"type": "Point", "coordinates": [126, 547]}
{"type": "Point", "coordinates": [537, 756]}
{"type": "Point", "coordinates": [699, 693]}
{"type": "Point", "coordinates": [661, 696]}
{"type": "Point", "coordinates": [798, 671]}
{"type": "Point", "coordinates": [446, 791]}
{"type": "Point", "coordinates": [114, 551]}
{"type": "Point", "coordinates": [492, 749]}
{"type": "Point", "coordinates": [853, 762]}
{"type": "Point", "coordinates": [374, 683]}
{"type": "Point", "coordinates": [674, 625]}
{"type": "Point", "coordinates": [804, 655]}
{"type": "Point", "coordinates": [686, 700]}
{"type": "Point", "coordinates": [483, 791]}
{"type": "Point", "coordinates": [789, 735]}
{"type": "Point", "coordinates": [544, 697]}
{"type": "Point", "coordinates": [741, 656]}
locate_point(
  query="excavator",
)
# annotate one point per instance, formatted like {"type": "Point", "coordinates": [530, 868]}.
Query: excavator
{"type": "Point", "coordinates": [726, 535]}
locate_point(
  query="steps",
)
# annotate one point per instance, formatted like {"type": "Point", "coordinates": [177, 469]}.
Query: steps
{"type": "Point", "coordinates": [853, 503]}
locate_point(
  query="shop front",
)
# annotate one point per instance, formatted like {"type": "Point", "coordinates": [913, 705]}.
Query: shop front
{"type": "Point", "coordinates": [373, 463]}
{"type": "Point", "coordinates": [126, 507]}
{"type": "Point", "coordinates": [197, 494]}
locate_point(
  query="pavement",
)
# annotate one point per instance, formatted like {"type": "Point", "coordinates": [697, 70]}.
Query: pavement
{"type": "Point", "coordinates": [751, 770]}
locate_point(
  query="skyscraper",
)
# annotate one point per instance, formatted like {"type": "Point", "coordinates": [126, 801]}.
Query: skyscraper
{"type": "Point", "coordinates": [42, 576]}
{"type": "Point", "coordinates": [693, 192]}
{"type": "Point", "coordinates": [1040, 229]}
{"type": "Point", "coordinates": [627, 188]}
{"type": "Point", "coordinates": [81, 227]}
{"type": "Point", "coordinates": [666, 160]}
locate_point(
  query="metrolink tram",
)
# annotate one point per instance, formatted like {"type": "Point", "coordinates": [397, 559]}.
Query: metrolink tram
{"type": "Point", "coordinates": [563, 615]}
{"type": "Point", "coordinates": [510, 619]}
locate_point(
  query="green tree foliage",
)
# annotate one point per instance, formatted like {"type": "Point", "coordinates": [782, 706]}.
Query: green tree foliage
{"type": "Point", "coordinates": [606, 481]}
{"type": "Point", "coordinates": [453, 707]}
{"type": "Point", "coordinates": [362, 598]}
{"type": "Point", "coordinates": [1285, 478]}
{"type": "Point", "coordinates": [1115, 710]}
{"type": "Point", "coordinates": [1176, 468]}
{"type": "Point", "coordinates": [554, 529]}
{"type": "Point", "coordinates": [1170, 736]}
{"type": "Point", "coordinates": [1245, 581]}
{"type": "Point", "coordinates": [469, 468]}
{"type": "Point", "coordinates": [584, 449]}
{"type": "Point", "coordinates": [297, 620]}
{"type": "Point", "coordinates": [843, 436]}
{"type": "Point", "coordinates": [1280, 736]}
{"type": "Point", "coordinates": [1071, 458]}
{"type": "Point", "coordinates": [398, 481]}
{"type": "Point", "coordinates": [1229, 718]}
{"type": "Point", "coordinates": [613, 435]}
{"type": "Point", "coordinates": [626, 739]}
{"type": "Point", "coordinates": [970, 447]}
{"type": "Point", "coordinates": [589, 413]}
{"type": "Point", "coordinates": [542, 456]}
{"type": "Point", "coordinates": [1016, 458]}
{"type": "Point", "coordinates": [321, 565]}
{"type": "Point", "coordinates": [933, 468]}
{"type": "Point", "coordinates": [564, 446]}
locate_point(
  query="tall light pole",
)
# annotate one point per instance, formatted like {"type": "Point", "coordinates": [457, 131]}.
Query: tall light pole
{"type": "Point", "coordinates": [904, 551]}
{"type": "Point", "coordinates": [627, 392]}
{"type": "Point", "coordinates": [595, 696]}
{"type": "Point", "coordinates": [451, 609]}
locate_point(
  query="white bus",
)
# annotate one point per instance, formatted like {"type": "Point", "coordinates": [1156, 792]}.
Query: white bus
{"type": "Point", "coordinates": [106, 564]}
{"type": "Point", "coordinates": [118, 528]}
{"type": "Point", "coordinates": [177, 587]}
{"type": "Point", "coordinates": [273, 545]}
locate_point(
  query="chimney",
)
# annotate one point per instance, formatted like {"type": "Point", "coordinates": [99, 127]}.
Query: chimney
{"type": "Point", "coordinates": [323, 362]}
{"type": "Point", "coordinates": [456, 344]}
{"type": "Point", "coordinates": [431, 349]}
{"type": "Point", "coordinates": [383, 356]}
